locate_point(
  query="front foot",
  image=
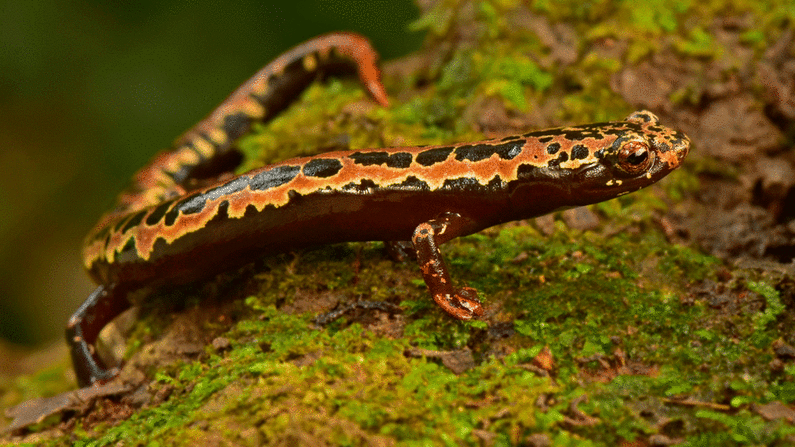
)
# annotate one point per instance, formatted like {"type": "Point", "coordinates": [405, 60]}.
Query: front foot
{"type": "Point", "coordinates": [463, 305]}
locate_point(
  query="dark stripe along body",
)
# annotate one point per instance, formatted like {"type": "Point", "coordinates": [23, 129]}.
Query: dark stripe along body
{"type": "Point", "coordinates": [162, 234]}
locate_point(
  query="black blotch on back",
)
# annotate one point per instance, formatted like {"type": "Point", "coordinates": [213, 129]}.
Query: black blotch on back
{"type": "Point", "coordinates": [461, 183]}
{"type": "Point", "coordinates": [398, 160]}
{"type": "Point", "coordinates": [192, 204]}
{"type": "Point", "coordinates": [526, 171]}
{"type": "Point", "coordinates": [553, 148]}
{"type": "Point", "coordinates": [579, 152]}
{"type": "Point", "coordinates": [369, 158]}
{"type": "Point", "coordinates": [228, 188]}
{"type": "Point", "coordinates": [478, 152]}
{"type": "Point", "coordinates": [322, 167]}
{"type": "Point", "coordinates": [412, 183]}
{"type": "Point", "coordinates": [236, 125]}
{"type": "Point", "coordinates": [496, 183]}
{"type": "Point", "coordinates": [195, 203]}
{"type": "Point", "coordinates": [117, 226]}
{"type": "Point", "coordinates": [363, 185]}
{"type": "Point", "coordinates": [134, 221]}
{"type": "Point", "coordinates": [471, 184]}
{"type": "Point", "coordinates": [432, 156]}
{"type": "Point", "coordinates": [596, 131]}
{"type": "Point", "coordinates": [129, 247]}
{"type": "Point", "coordinates": [171, 216]}
{"type": "Point", "coordinates": [472, 152]}
{"type": "Point", "coordinates": [509, 151]}
{"type": "Point", "coordinates": [273, 177]}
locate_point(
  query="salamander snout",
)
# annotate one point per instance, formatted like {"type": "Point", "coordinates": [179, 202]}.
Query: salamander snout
{"type": "Point", "coordinates": [672, 146]}
{"type": "Point", "coordinates": [682, 146]}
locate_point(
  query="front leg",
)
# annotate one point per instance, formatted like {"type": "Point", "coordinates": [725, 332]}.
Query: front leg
{"type": "Point", "coordinates": [102, 306]}
{"type": "Point", "coordinates": [462, 303]}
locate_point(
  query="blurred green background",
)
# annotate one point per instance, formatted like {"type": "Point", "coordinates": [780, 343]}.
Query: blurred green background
{"type": "Point", "coordinates": [90, 90]}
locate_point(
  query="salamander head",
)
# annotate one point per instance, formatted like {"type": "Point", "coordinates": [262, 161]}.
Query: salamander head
{"type": "Point", "coordinates": [596, 162]}
{"type": "Point", "coordinates": [651, 149]}
{"type": "Point", "coordinates": [642, 153]}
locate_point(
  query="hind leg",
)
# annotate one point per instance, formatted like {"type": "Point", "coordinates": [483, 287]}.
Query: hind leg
{"type": "Point", "coordinates": [102, 306]}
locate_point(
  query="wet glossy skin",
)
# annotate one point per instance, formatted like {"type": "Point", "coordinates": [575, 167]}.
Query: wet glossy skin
{"type": "Point", "coordinates": [164, 231]}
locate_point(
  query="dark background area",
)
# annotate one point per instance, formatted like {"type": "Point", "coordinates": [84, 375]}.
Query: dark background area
{"type": "Point", "coordinates": [89, 91]}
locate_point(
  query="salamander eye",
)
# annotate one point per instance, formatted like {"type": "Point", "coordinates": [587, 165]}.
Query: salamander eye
{"type": "Point", "coordinates": [634, 157]}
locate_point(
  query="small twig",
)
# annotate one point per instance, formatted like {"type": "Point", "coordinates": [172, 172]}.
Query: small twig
{"type": "Point", "coordinates": [697, 403]}
{"type": "Point", "coordinates": [329, 317]}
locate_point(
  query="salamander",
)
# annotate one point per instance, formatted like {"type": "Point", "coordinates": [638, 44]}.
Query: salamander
{"type": "Point", "coordinates": [185, 218]}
